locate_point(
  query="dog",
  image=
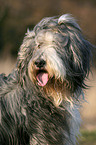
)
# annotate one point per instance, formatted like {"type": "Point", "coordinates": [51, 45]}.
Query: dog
{"type": "Point", "coordinates": [40, 99]}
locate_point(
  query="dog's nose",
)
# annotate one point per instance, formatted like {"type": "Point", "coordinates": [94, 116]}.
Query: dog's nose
{"type": "Point", "coordinates": [40, 63]}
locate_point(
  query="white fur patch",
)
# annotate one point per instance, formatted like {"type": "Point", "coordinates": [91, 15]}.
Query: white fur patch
{"type": "Point", "coordinates": [55, 63]}
{"type": "Point", "coordinates": [44, 37]}
{"type": "Point", "coordinates": [64, 18]}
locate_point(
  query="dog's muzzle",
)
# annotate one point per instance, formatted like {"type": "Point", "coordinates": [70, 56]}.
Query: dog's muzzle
{"type": "Point", "coordinates": [41, 72]}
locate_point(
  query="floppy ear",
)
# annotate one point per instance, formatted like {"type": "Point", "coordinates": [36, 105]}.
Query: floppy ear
{"type": "Point", "coordinates": [80, 57]}
{"type": "Point", "coordinates": [26, 50]}
{"type": "Point", "coordinates": [81, 54]}
{"type": "Point", "coordinates": [78, 50]}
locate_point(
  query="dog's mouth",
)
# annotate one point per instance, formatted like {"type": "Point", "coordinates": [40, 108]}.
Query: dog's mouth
{"type": "Point", "coordinates": [42, 77]}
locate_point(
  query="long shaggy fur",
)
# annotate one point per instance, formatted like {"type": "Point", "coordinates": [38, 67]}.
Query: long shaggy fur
{"type": "Point", "coordinates": [40, 99]}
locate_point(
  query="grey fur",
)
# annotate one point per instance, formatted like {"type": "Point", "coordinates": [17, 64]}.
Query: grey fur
{"type": "Point", "coordinates": [47, 115]}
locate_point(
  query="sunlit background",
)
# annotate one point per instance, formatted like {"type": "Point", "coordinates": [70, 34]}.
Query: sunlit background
{"type": "Point", "coordinates": [18, 15]}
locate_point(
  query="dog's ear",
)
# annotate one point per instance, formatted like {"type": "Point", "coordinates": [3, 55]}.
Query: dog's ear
{"type": "Point", "coordinates": [79, 49]}
{"type": "Point", "coordinates": [80, 54]}
{"type": "Point", "coordinates": [81, 59]}
{"type": "Point", "coordinates": [26, 49]}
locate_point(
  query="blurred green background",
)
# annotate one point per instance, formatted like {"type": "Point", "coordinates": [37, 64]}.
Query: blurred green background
{"type": "Point", "coordinates": [18, 15]}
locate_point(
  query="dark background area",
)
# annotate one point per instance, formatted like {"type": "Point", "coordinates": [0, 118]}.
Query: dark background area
{"type": "Point", "coordinates": [18, 15]}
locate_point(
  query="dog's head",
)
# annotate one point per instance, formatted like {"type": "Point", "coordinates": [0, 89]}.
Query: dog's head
{"type": "Point", "coordinates": [56, 55]}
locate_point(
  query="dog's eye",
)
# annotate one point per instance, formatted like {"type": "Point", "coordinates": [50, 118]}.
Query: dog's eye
{"type": "Point", "coordinates": [39, 46]}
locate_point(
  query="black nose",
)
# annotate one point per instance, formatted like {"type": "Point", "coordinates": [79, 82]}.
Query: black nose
{"type": "Point", "coordinates": [40, 63]}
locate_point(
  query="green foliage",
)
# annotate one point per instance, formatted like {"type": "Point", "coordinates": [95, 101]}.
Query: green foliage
{"type": "Point", "coordinates": [88, 138]}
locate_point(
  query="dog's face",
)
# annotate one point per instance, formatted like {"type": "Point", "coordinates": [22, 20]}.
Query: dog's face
{"type": "Point", "coordinates": [46, 62]}
{"type": "Point", "coordinates": [56, 55]}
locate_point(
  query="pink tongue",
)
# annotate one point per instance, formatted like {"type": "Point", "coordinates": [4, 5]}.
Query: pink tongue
{"type": "Point", "coordinates": [42, 79]}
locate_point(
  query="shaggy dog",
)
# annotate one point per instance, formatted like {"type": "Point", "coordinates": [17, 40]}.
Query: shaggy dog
{"type": "Point", "coordinates": [40, 99]}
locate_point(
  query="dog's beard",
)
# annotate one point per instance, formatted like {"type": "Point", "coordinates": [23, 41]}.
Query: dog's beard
{"type": "Point", "coordinates": [50, 78]}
